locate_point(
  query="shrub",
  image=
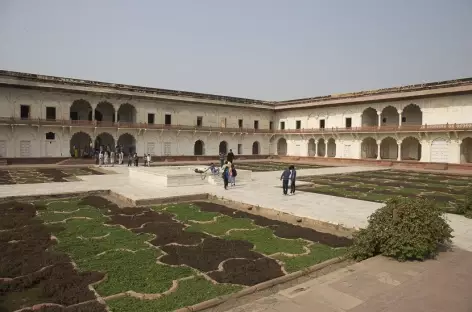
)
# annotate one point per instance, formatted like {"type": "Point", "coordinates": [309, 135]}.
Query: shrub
{"type": "Point", "coordinates": [465, 207]}
{"type": "Point", "coordinates": [405, 229]}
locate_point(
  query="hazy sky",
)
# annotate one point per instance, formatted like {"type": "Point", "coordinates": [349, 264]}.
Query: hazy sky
{"type": "Point", "coordinates": [263, 49]}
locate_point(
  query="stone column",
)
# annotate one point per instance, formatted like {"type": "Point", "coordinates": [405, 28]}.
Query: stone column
{"type": "Point", "coordinates": [378, 149]}
{"type": "Point", "coordinates": [93, 112]}
{"type": "Point", "coordinates": [400, 117]}
{"type": "Point", "coordinates": [316, 148]}
{"type": "Point", "coordinates": [326, 148]}
{"type": "Point", "coordinates": [399, 150]}
{"type": "Point", "coordinates": [116, 115]}
{"type": "Point", "coordinates": [379, 115]}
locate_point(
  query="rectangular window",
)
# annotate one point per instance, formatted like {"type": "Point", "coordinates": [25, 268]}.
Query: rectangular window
{"type": "Point", "coordinates": [322, 123]}
{"type": "Point", "coordinates": [403, 119]}
{"type": "Point", "coordinates": [50, 136]}
{"type": "Point", "coordinates": [282, 125]}
{"type": "Point", "coordinates": [348, 122]}
{"type": "Point", "coordinates": [298, 124]}
{"type": "Point", "coordinates": [240, 123]}
{"type": "Point", "coordinates": [256, 124]}
{"type": "Point", "coordinates": [199, 121]}
{"type": "Point", "coordinates": [50, 113]}
{"type": "Point", "coordinates": [271, 125]}
{"type": "Point", "coordinates": [25, 111]}
{"type": "Point", "coordinates": [151, 118]}
{"type": "Point", "coordinates": [168, 119]}
{"type": "Point", "coordinates": [240, 149]}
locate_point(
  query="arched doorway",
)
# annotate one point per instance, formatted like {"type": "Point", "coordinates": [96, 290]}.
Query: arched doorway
{"type": "Point", "coordinates": [369, 118]}
{"type": "Point", "coordinates": [282, 147]}
{"type": "Point", "coordinates": [256, 148]}
{"type": "Point", "coordinates": [321, 148]}
{"type": "Point", "coordinates": [311, 147]}
{"type": "Point", "coordinates": [411, 149]}
{"type": "Point", "coordinates": [466, 150]}
{"type": "Point", "coordinates": [389, 116]}
{"type": "Point", "coordinates": [127, 113]}
{"type": "Point", "coordinates": [440, 151]}
{"type": "Point", "coordinates": [223, 148]}
{"type": "Point", "coordinates": [412, 115]}
{"type": "Point", "coordinates": [198, 148]}
{"type": "Point", "coordinates": [369, 148]}
{"type": "Point", "coordinates": [80, 110]}
{"type": "Point", "coordinates": [81, 142]}
{"type": "Point", "coordinates": [105, 141]}
{"type": "Point", "coordinates": [331, 148]}
{"type": "Point", "coordinates": [128, 143]}
{"type": "Point", "coordinates": [105, 112]}
{"type": "Point", "coordinates": [389, 148]}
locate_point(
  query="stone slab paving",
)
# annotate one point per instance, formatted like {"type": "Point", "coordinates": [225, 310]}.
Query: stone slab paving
{"type": "Point", "coordinates": [380, 285]}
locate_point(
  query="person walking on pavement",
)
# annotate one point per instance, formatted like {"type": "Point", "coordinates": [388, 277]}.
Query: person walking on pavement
{"type": "Point", "coordinates": [285, 177]}
{"type": "Point", "coordinates": [293, 177]}
{"type": "Point", "coordinates": [230, 156]}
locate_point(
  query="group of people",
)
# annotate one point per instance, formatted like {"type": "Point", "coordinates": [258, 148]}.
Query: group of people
{"type": "Point", "coordinates": [107, 157]}
{"type": "Point", "coordinates": [289, 176]}
{"type": "Point", "coordinates": [227, 168]}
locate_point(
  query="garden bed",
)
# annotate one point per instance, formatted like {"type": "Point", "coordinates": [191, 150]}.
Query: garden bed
{"type": "Point", "coordinates": [86, 254]}
{"type": "Point", "coordinates": [272, 166]}
{"type": "Point", "coordinates": [43, 175]}
{"type": "Point", "coordinates": [378, 186]}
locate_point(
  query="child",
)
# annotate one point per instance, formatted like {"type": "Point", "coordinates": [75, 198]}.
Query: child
{"type": "Point", "coordinates": [225, 177]}
{"type": "Point", "coordinates": [213, 169]}
{"type": "Point", "coordinates": [285, 177]}
{"type": "Point", "coordinates": [234, 173]}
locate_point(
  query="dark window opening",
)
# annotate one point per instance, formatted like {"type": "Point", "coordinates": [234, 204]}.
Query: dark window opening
{"type": "Point", "coordinates": [240, 123]}
{"type": "Point", "coordinates": [348, 122]}
{"type": "Point", "coordinates": [50, 136]}
{"type": "Point", "coordinates": [150, 118]}
{"type": "Point", "coordinates": [24, 111]}
{"type": "Point", "coordinates": [271, 125]}
{"type": "Point", "coordinates": [322, 124]}
{"type": "Point", "coordinates": [51, 113]}
{"type": "Point", "coordinates": [403, 119]}
{"type": "Point", "coordinates": [168, 119]}
{"type": "Point", "coordinates": [298, 124]}
{"type": "Point", "coordinates": [199, 121]}
{"type": "Point", "coordinates": [282, 125]}
{"type": "Point", "coordinates": [384, 120]}
{"type": "Point", "coordinates": [256, 124]}
{"type": "Point", "coordinates": [74, 116]}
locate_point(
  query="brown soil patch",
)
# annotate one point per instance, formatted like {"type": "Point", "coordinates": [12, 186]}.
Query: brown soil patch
{"type": "Point", "coordinates": [42, 175]}
{"type": "Point", "coordinates": [92, 306]}
{"type": "Point", "coordinates": [167, 233]}
{"type": "Point", "coordinates": [30, 272]}
{"type": "Point", "coordinates": [281, 229]}
{"type": "Point", "coordinates": [247, 272]}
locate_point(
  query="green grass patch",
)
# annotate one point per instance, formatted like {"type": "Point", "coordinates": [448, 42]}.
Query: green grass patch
{"type": "Point", "coordinates": [53, 216]}
{"type": "Point", "coordinates": [267, 243]}
{"type": "Point", "coordinates": [318, 253]}
{"type": "Point", "coordinates": [222, 225]}
{"type": "Point", "coordinates": [189, 212]}
{"type": "Point", "coordinates": [189, 292]}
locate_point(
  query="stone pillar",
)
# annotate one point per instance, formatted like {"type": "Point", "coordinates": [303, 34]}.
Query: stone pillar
{"type": "Point", "coordinates": [378, 149]}
{"type": "Point", "coordinates": [326, 148]}
{"type": "Point", "coordinates": [316, 148]}
{"type": "Point", "coordinates": [399, 150]}
{"type": "Point", "coordinates": [93, 112]}
{"type": "Point", "coordinates": [400, 117]}
{"type": "Point", "coordinates": [379, 117]}
{"type": "Point", "coordinates": [116, 115]}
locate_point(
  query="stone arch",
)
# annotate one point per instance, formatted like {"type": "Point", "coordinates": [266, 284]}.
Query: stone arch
{"type": "Point", "coordinates": [80, 110]}
{"type": "Point", "coordinates": [105, 141]}
{"type": "Point", "coordinates": [127, 142]}
{"type": "Point", "coordinates": [199, 148]}
{"type": "Point", "coordinates": [223, 147]}
{"type": "Point", "coordinates": [282, 147]}
{"type": "Point", "coordinates": [256, 148]}
{"type": "Point", "coordinates": [466, 150]}
{"type": "Point", "coordinates": [389, 116]}
{"type": "Point", "coordinates": [411, 149]}
{"type": "Point", "coordinates": [331, 147]}
{"type": "Point", "coordinates": [412, 115]}
{"type": "Point", "coordinates": [311, 147]}
{"type": "Point", "coordinates": [321, 148]}
{"type": "Point", "coordinates": [105, 112]}
{"type": "Point", "coordinates": [388, 148]}
{"type": "Point", "coordinates": [127, 113]}
{"type": "Point", "coordinates": [80, 141]}
{"type": "Point", "coordinates": [369, 118]}
{"type": "Point", "coordinates": [369, 148]}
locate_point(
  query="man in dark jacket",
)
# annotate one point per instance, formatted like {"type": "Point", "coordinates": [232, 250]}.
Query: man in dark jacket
{"type": "Point", "coordinates": [285, 177]}
{"type": "Point", "coordinates": [293, 177]}
{"type": "Point", "coordinates": [230, 156]}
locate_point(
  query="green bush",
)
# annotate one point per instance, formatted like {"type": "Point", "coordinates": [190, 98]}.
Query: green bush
{"type": "Point", "coordinates": [405, 229]}
{"type": "Point", "coordinates": [465, 207]}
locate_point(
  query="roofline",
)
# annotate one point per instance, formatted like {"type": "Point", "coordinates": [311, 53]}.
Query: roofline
{"type": "Point", "coordinates": [441, 88]}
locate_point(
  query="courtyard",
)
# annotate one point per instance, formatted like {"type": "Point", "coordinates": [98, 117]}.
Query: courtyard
{"type": "Point", "coordinates": [43, 175]}
{"type": "Point", "coordinates": [379, 186]}
{"type": "Point", "coordinates": [262, 166]}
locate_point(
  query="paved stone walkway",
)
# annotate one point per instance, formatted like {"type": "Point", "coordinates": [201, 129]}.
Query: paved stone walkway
{"type": "Point", "coordinates": [379, 285]}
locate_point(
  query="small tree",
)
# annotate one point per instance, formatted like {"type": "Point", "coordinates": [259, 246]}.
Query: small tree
{"type": "Point", "coordinates": [406, 228]}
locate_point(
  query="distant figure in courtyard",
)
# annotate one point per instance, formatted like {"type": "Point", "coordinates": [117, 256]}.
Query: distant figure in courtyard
{"type": "Point", "coordinates": [213, 169]}
{"type": "Point", "coordinates": [136, 159]}
{"type": "Point", "coordinates": [145, 160]}
{"type": "Point", "coordinates": [121, 157]}
{"type": "Point", "coordinates": [222, 159]}
{"type": "Point", "coordinates": [130, 160]}
{"type": "Point", "coordinates": [112, 158]}
{"type": "Point", "coordinates": [234, 173]}
{"type": "Point", "coordinates": [149, 160]}
{"type": "Point", "coordinates": [100, 159]}
{"type": "Point", "coordinates": [293, 177]}
{"type": "Point", "coordinates": [230, 157]}
{"type": "Point", "coordinates": [225, 177]}
{"type": "Point", "coordinates": [105, 158]}
{"type": "Point", "coordinates": [285, 177]}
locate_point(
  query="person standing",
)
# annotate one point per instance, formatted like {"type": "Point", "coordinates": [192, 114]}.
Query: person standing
{"type": "Point", "coordinates": [149, 160]}
{"type": "Point", "coordinates": [222, 159]}
{"type": "Point", "coordinates": [234, 173]}
{"type": "Point", "coordinates": [230, 156]}
{"type": "Point", "coordinates": [112, 158]}
{"type": "Point", "coordinates": [293, 177]}
{"type": "Point", "coordinates": [225, 177]}
{"type": "Point", "coordinates": [100, 159]}
{"type": "Point", "coordinates": [285, 177]}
